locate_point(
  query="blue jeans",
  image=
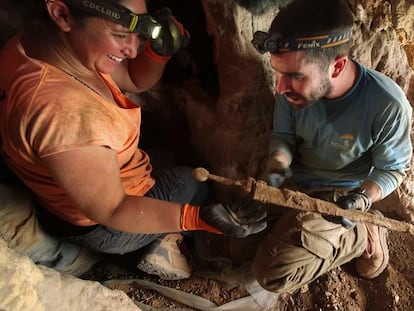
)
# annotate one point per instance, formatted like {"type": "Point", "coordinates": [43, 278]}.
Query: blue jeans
{"type": "Point", "coordinates": [175, 185]}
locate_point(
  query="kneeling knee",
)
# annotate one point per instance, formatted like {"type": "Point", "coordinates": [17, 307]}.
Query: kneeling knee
{"type": "Point", "coordinates": [268, 280]}
{"type": "Point", "coordinates": [279, 279]}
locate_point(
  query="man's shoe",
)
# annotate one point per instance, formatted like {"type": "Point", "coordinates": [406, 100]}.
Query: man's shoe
{"type": "Point", "coordinates": [374, 259]}
{"type": "Point", "coordinates": [164, 259]}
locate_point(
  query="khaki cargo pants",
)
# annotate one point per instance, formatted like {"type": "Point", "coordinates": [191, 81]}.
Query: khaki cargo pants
{"type": "Point", "coordinates": [21, 231]}
{"type": "Point", "coordinates": [301, 246]}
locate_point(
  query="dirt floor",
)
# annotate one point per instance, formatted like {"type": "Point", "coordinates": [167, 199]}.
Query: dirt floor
{"type": "Point", "coordinates": [339, 289]}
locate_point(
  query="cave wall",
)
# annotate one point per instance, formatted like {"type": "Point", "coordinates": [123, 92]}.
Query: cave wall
{"type": "Point", "coordinates": [229, 122]}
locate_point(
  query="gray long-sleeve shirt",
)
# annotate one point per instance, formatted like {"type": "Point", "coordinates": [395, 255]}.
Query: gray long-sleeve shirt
{"type": "Point", "coordinates": [364, 135]}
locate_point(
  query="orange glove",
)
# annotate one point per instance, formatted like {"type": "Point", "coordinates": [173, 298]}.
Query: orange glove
{"type": "Point", "coordinates": [190, 220]}
{"type": "Point", "coordinates": [239, 220]}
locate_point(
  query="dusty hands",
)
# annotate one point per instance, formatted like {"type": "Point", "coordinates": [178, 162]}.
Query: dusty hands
{"type": "Point", "coordinates": [356, 199]}
{"type": "Point", "coordinates": [276, 171]}
{"type": "Point", "coordinates": [172, 37]}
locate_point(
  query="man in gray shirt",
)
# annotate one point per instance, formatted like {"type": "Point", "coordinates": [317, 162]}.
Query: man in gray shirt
{"type": "Point", "coordinates": [341, 132]}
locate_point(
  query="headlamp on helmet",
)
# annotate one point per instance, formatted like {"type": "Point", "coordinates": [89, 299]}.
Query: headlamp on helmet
{"type": "Point", "coordinates": [143, 24]}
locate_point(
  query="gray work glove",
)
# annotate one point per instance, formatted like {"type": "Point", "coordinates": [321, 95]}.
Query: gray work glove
{"type": "Point", "coordinates": [172, 38]}
{"type": "Point", "coordinates": [357, 199]}
{"type": "Point", "coordinates": [237, 219]}
{"type": "Point", "coordinates": [276, 171]}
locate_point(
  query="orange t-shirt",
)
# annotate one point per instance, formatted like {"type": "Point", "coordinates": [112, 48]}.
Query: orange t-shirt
{"type": "Point", "coordinates": [44, 111]}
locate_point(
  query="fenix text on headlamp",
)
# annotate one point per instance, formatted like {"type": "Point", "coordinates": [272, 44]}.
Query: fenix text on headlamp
{"type": "Point", "coordinates": [143, 24]}
{"type": "Point", "coordinates": [275, 43]}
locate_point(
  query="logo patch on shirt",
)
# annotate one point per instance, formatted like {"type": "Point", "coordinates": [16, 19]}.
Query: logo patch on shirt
{"type": "Point", "coordinates": [345, 143]}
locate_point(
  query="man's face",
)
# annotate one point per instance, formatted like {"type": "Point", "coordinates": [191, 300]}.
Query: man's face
{"type": "Point", "coordinates": [302, 83]}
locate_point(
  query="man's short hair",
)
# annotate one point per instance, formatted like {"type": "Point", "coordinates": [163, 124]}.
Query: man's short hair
{"type": "Point", "coordinates": [315, 17]}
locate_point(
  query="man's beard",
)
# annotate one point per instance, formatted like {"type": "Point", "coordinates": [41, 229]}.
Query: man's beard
{"type": "Point", "coordinates": [315, 94]}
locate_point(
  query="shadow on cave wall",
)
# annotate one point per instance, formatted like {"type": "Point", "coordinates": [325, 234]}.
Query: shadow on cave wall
{"type": "Point", "coordinates": [165, 131]}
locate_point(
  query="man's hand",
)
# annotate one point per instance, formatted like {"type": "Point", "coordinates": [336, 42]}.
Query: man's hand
{"type": "Point", "coordinates": [276, 170]}
{"type": "Point", "coordinates": [172, 38]}
{"type": "Point", "coordinates": [356, 199]}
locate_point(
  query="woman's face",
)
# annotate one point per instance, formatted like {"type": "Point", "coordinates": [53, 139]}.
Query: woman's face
{"type": "Point", "coordinates": [102, 45]}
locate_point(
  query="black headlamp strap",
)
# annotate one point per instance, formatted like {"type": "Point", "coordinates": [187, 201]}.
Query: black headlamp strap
{"type": "Point", "coordinates": [314, 42]}
{"type": "Point", "coordinates": [265, 42]}
{"type": "Point", "coordinates": [140, 23]}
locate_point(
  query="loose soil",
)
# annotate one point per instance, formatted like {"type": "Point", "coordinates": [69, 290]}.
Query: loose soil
{"type": "Point", "coordinates": [339, 289]}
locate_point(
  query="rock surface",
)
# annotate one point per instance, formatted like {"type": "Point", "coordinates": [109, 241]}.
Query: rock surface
{"type": "Point", "coordinates": [25, 286]}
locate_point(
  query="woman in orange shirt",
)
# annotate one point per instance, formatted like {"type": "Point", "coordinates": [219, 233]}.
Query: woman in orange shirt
{"type": "Point", "coordinates": [71, 135]}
